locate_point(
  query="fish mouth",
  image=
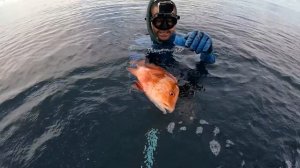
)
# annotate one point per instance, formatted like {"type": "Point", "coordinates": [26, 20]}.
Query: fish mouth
{"type": "Point", "coordinates": [169, 108]}
{"type": "Point", "coordinates": [165, 108]}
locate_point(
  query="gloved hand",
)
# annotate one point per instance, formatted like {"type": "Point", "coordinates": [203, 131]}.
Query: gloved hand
{"type": "Point", "coordinates": [199, 42]}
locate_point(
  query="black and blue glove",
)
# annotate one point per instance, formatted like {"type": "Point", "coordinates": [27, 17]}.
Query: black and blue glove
{"type": "Point", "coordinates": [199, 42]}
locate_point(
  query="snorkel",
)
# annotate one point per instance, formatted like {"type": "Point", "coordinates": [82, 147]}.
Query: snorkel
{"type": "Point", "coordinates": [165, 10]}
{"type": "Point", "coordinates": [153, 37]}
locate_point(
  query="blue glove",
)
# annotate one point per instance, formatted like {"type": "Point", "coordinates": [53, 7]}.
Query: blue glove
{"type": "Point", "coordinates": [199, 42]}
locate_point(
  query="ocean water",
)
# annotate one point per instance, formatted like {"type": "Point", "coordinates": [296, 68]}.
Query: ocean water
{"type": "Point", "coordinates": [66, 97]}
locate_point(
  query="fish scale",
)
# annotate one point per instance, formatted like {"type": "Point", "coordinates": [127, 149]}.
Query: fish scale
{"type": "Point", "coordinates": [158, 85]}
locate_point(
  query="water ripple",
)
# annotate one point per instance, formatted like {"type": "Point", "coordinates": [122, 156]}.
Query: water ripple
{"type": "Point", "coordinates": [64, 86]}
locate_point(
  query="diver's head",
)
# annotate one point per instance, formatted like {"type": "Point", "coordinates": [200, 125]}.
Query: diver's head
{"type": "Point", "coordinates": [163, 18]}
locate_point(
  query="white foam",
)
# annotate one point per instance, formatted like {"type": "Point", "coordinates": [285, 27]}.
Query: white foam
{"type": "Point", "coordinates": [171, 127]}
{"type": "Point", "coordinates": [288, 164]}
{"type": "Point", "coordinates": [182, 128]}
{"type": "Point", "coordinates": [229, 143]}
{"type": "Point", "coordinates": [203, 122]}
{"type": "Point", "coordinates": [216, 131]}
{"type": "Point", "coordinates": [199, 130]}
{"type": "Point", "coordinates": [191, 118]}
{"type": "Point", "coordinates": [243, 163]}
{"type": "Point", "coordinates": [180, 122]}
{"type": "Point", "coordinates": [298, 150]}
{"type": "Point", "coordinates": [215, 147]}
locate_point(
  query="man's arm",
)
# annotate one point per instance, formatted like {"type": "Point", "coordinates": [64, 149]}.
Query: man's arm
{"type": "Point", "coordinates": [199, 42]}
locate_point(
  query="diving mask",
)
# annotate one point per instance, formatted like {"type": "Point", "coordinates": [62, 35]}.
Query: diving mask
{"type": "Point", "coordinates": [165, 19]}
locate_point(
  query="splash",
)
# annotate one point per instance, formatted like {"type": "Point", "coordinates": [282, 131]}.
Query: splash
{"type": "Point", "coordinates": [183, 128]}
{"type": "Point", "coordinates": [288, 164]}
{"type": "Point", "coordinates": [229, 143]}
{"type": "Point", "coordinates": [203, 122]}
{"type": "Point", "coordinates": [215, 147]}
{"type": "Point", "coordinates": [243, 163]}
{"type": "Point", "coordinates": [216, 131]}
{"type": "Point", "coordinates": [199, 130]}
{"type": "Point", "coordinates": [171, 127]}
{"type": "Point", "coordinates": [150, 147]}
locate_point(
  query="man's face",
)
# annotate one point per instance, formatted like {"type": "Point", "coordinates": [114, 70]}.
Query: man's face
{"type": "Point", "coordinates": [162, 35]}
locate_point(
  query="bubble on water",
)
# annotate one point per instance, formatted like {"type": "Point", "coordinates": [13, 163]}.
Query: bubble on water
{"type": "Point", "coordinates": [191, 118]}
{"type": "Point", "coordinates": [203, 122]}
{"type": "Point", "coordinates": [288, 164]}
{"type": "Point", "coordinates": [182, 128]}
{"type": "Point", "coordinates": [150, 147]}
{"type": "Point", "coordinates": [216, 131]}
{"type": "Point", "coordinates": [171, 127]}
{"type": "Point", "coordinates": [199, 130]}
{"type": "Point", "coordinates": [229, 143]}
{"type": "Point", "coordinates": [215, 147]}
{"type": "Point", "coordinates": [180, 122]}
{"type": "Point", "coordinates": [298, 150]}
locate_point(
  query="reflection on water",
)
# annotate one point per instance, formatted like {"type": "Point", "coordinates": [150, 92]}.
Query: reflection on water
{"type": "Point", "coordinates": [65, 93]}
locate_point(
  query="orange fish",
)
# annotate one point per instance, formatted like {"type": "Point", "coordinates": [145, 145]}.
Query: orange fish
{"type": "Point", "coordinates": [157, 84]}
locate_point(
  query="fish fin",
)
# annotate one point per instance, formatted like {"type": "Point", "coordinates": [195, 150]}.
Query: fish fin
{"type": "Point", "coordinates": [159, 71]}
{"type": "Point", "coordinates": [158, 74]}
{"type": "Point", "coordinates": [140, 62]}
{"type": "Point", "coordinates": [132, 70]}
{"type": "Point", "coordinates": [137, 85]}
{"type": "Point", "coordinates": [156, 70]}
{"type": "Point", "coordinates": [172, 77]}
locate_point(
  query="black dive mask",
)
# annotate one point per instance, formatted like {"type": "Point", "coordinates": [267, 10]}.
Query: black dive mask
{"type": "Point", "coordinates": [165, 19]}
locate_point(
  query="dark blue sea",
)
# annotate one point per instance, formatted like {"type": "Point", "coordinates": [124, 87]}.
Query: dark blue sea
{"type": "Point", "coordinates": [66, 99]}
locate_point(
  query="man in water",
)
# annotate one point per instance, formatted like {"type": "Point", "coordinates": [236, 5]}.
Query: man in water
{"type": "Point", "coordinates": [161, 21]}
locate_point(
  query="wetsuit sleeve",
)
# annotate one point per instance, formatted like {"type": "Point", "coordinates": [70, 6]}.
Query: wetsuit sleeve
{"type": "Point", "coordinates": [208, 58]}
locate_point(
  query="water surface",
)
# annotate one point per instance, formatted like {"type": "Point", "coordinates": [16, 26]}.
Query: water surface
{"type": "Point", "coordinates": [66, 101]}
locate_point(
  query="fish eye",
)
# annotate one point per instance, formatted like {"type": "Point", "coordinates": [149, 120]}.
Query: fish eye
{"type": "Point", "coordinates": [172, 94]}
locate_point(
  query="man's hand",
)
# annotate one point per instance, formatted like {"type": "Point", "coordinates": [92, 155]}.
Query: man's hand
{"type": "Point", "coordinates": [199, 42]}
